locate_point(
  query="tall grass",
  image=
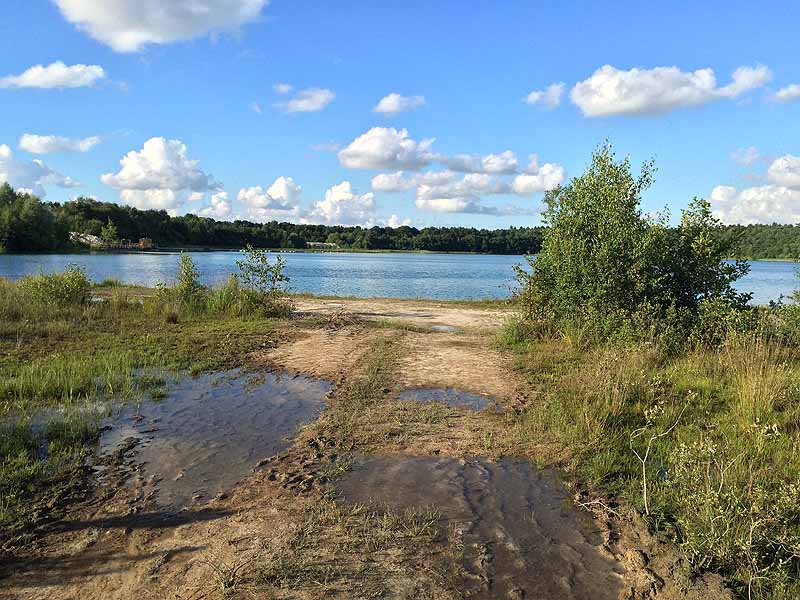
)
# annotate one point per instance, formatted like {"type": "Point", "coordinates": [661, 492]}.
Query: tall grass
{"type": "Point", "coordinates": [704, 441]}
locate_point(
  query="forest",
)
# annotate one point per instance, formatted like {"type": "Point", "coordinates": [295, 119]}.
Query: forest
{"type": "Point", "coordinates": [29, 225]}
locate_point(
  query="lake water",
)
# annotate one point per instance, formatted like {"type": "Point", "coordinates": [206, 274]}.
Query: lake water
{"type": "Point", "coordinates": [395, 275]}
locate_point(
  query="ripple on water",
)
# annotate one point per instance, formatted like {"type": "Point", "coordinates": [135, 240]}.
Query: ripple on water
{"type": "Point", "coordinates": [521, 535]}
{"type": "Point", "coordinates": [209, 431]}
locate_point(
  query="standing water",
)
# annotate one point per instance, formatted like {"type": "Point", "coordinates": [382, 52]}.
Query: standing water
{"type": "Point", "coordinates": [514, 527]}
{"type": "Point", "coordinates": [209, 431]}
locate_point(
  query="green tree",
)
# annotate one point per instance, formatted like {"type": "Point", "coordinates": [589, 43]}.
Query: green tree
{"type": "Point", "coordinates": [603, 261]}
{"type": "Point", "coordinates": [109, 233]}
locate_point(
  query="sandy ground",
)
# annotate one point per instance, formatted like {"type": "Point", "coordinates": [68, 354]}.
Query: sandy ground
{"type": "Point", "coordinates": [119, 545]}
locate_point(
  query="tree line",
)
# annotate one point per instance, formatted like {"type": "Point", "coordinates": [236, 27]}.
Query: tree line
{"type": "Point", "coordinates": [29, 225]}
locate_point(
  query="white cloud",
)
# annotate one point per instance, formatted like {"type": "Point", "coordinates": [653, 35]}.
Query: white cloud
{"type": "Point", "coordinates": [310, 100]}
{"type": "Point", "coordinates": [778, 202]}
{"type": "Point", "coordinates": [30, 175]}
{"type": "Point", "coordinates": [785, 171]}
{"type": "Point", "coordinates": [465, 195]}
{"type": "Point", "coordinates": [386, 148]}
{"type": "Point", "coordinates": [400, 182]}
{"type": "Point", "coordinates": [790, 93]}
{"type": "Point", "coordinates": [282, 88]}
{"type": "Point", "coordinates": [394, 222]}
{"type": "Point", "coordinates": [45, 144]}
{"type": "Point", "coordinates": [745, 156]}
{"type": "Point", "coordinates": [160, 176]}
{"type": "Point", "coordinates": [343, 206]}
{"type": "Point", "coordinates": [256, 108]}
{"type": "Point", "coordinates": [504, 163]}
{"type": "Point", "coordinates": [220, 207]}
{"type": "Point", "coordinates": [762, 204]}
{"type": "Point", "coordinates": [395, 103]}
{"type": "Point", "coordinates": [129, 26]}
{"type": "Point", "coordinates": [549, 97]}
{"type": "Point", "coordinates": [55, 75]}
{"type": "Point", "coordinates": [280, 202]}
{"type": "Point", "coordinates": [543, 178]}
{"type": "Point", "coordinates": [610, 91]}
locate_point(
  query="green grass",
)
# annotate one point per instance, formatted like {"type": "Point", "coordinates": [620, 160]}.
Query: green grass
{"type": "Point", "coordinates": [59, 352]}
{"type": "Point", "coordinates": [705, 443]}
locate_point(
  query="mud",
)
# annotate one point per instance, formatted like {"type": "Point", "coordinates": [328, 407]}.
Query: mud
{"type": "Point", "coordinates": [451, 397]}
{"type": "Point", "coordinates": [206, 435]}
{"type": "Point", "coordinates": [513, 528]}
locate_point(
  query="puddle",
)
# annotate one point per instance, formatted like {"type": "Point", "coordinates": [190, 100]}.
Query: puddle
{"type": "Point", "coordinates": [520, 535]}
{"type": "Point", "coordinates": [451, 397]}
{"type": "Point", "coordinates": [445, 329]}
{"type": "Point", "coordinates": [208, 432]}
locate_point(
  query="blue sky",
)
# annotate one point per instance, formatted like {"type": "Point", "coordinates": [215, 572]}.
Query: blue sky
{"type": "Point", "coordinates": [191, 96]}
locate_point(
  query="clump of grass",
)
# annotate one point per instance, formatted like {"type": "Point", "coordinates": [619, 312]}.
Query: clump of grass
{"type": "Point", "coordinates": [701, 441]}
{"type": "Point", "coordinates": [66, 379]}
{"type": "Point", "coordinates": [68, 288]}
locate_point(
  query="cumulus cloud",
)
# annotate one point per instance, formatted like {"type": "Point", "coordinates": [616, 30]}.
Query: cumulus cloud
{"type": "Point", "coordinates": [279, 202]}
{"type": "Point", "coordinates": [611, 91]}
{"type": "Point", "coordinates": [745, 156]}
{"type": "Point", "coordinates": [785, 171]}
{"type": "Point", "coordinates": [777, 202]}
{"type": "Point", "coordinates": [160, 176]}
{"type": "Point", "coordinates": [542, 179]}
{"type": "Point", "coordinates": [386, 148]}
{"type": "Point", "coordinates": [790, 93]}
{"type": "Point", "coordinates": [220, 207]}
{"type": "Point", "coordinates": [504, 163]}
{"type": "Point", "coordinates": [401, 182]}
{"type": "Point", "coordinates": [45, 144]}
{"type": "Point", "coordinates": [343, 206]}
{"type": "Point", "coordinates": [55, 75]}
{"type": "Point", "coordinates": [310, 100]}
{"type": "Point", "coordinates": [30, 175]}
{"type": "Point", "coordinates": [129, 26]}
{"type": "Point", "coordinates": [282, 88]}
{"type": "Point", "coordinates": [394, 222]}
{"type": "Point", "coordinates": [549, 97]}
{"type": "Point", "coordinates": [762, 204]}
{"type": "Point", "coordinates": [395, 103]}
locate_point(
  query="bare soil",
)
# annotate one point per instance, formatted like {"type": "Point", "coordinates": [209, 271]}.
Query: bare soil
{"type": "Point", "coordinates": [280, 534]}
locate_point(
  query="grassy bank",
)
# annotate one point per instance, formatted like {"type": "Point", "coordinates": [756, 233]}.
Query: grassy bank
{"type": "Point", "coordinates": [66, 347]}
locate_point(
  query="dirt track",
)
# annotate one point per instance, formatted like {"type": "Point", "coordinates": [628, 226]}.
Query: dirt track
{"type": "Point", "coordinates": [121, 545]}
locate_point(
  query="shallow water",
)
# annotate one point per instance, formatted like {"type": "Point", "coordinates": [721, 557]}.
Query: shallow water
{"type": "Point", "coordinates": [451, 397]}
{"type": "Point", "coordinates": [521, 535]}
{"type": "Point", "coordinates": [208, 432]}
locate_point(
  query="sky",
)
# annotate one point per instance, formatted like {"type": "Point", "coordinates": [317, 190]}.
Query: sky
{"type": "Point", "coordinates": [398, 112]}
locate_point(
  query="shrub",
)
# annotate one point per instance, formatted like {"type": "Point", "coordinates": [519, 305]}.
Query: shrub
{"type": "Point", "coordinates": [68, 288]}
{"type": "Point", "coordinates": [605, 263]}
{"type": "Point", "coordinates": [187, 294]}
{"type": "Point", "coordinates": [266, 280]}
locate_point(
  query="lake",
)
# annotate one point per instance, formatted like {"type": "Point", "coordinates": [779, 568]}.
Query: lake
{"type": "Point", "coordinates": [394, 275]}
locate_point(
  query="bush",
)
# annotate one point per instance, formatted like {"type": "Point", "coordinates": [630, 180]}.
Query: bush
{"type": "Point", "coordinates": [186, 295]}
{"type": "Point", "coordinates": [265, 280]}
{"type": "Point", "coordinates": [605, 263]}
{"type": "Point", "coordinates": [68, 288]}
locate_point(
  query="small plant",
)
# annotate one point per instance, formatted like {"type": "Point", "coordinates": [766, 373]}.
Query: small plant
{"type": "Point", "coordinates": [261, 275]}
{"type": "Point", "coordinates": [68, 288]}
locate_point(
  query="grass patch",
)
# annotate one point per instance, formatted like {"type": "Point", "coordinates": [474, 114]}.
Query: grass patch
{"type": "Point", "coordinates": [704, 442]}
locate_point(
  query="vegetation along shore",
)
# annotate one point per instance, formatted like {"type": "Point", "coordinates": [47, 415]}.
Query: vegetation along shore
{"type": "Point", "coordinates": [627, 381]}
{"type": "Point", "coordinates": [29, 225]}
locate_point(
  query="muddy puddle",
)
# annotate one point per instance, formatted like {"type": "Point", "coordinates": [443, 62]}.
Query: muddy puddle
{"type": "Point", "coordinates": [451, 397]}
{"type": "Point", "coordinates": [512, 527]}
{"type": "Point", "coordinates": [445, 329]}
{"type": "Point", "coordinates": [208, 432]}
